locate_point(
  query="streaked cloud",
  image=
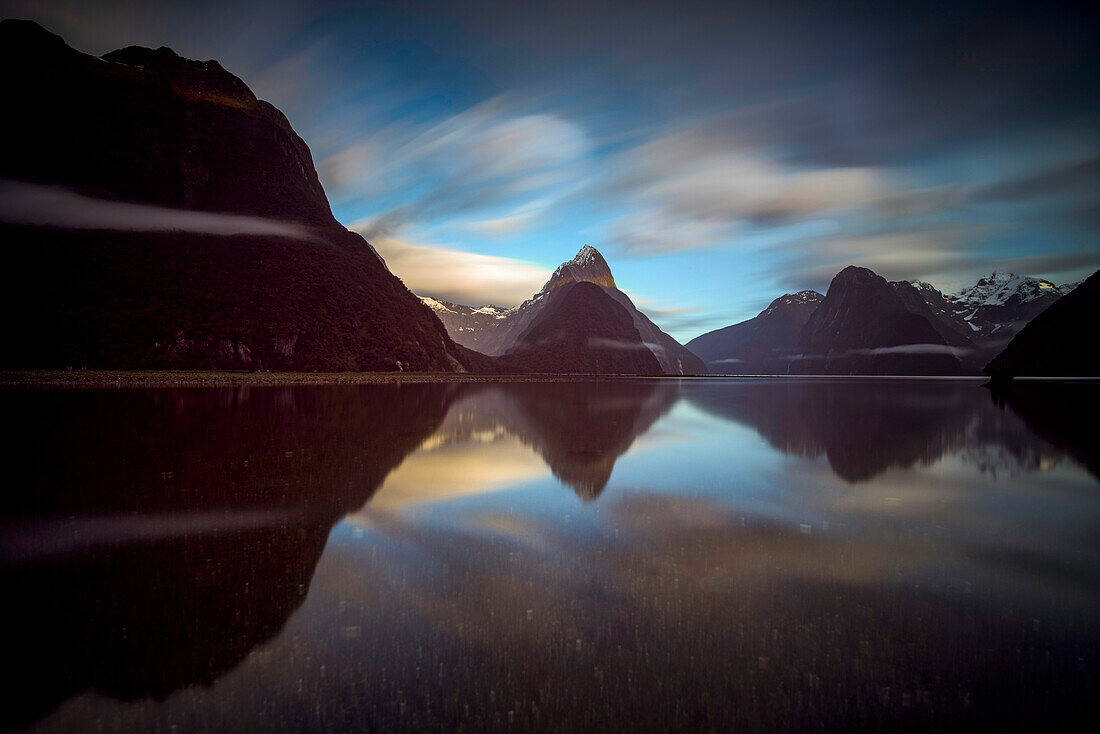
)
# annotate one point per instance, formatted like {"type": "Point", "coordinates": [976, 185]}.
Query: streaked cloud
{"type": "Point", "coordinates": [51, 206]}
{"type": "Point", "coordinates": [949, 256]}
{"type": "Point", "coordinates": [504, 226]}
{"type": "Point", "coordinates": [494, 161]}
{"type": "Point", "coordinates": [460, 277]}
{"type": "Point", "coordinates": [696, 187]}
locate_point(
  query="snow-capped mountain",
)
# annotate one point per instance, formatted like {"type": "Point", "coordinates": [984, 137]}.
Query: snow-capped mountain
{"type": "Point", "coordinates": [1000, 304]}
{"type": "Point", "coordinates": [497, 332]}
{"type": "Point", "coordinates": [468, 321]}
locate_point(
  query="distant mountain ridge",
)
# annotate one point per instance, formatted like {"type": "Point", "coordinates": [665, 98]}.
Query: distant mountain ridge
{"type": "Point", "coordinates": [498, 332]}
{"type": "Point", "coordinates": [874, 326]}
{"type": "Point", "coordinates": [763, 344]}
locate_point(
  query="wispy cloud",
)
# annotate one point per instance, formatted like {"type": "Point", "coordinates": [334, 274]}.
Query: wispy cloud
{"type": "Point", "coordinates": [695, 187]}
{"type": "Point", "coordinates": [460, 277]}
{"type": "Point", "coordinates": [949, 256]}
{"type": "Point", "coordinates": [51, 206]}
{"type": "Point", "coordinates": [490, 157]}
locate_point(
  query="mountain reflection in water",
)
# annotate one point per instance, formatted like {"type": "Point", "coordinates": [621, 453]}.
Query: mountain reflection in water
{"type": "Point", "coordinates": [405, 556]}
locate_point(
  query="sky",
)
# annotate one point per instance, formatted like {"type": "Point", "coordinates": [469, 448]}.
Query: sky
{"type": "Point", "coordinates": [717, 154]}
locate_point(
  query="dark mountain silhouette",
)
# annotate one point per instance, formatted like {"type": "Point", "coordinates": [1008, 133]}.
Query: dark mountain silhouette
{"type": "Point", "coordinates": [970, 327]}
{"type": "Point", "coordinates": [182, 527]}
{"type": "Point", "coordinates": [581, 329]}
{"type": "Point", "coordinates": [865, 428]}
{"type": "Point", "coordinates": [764, 343]}
{"type": "Point", "coordinates": [864, 327]}
{"type": "Point", "coordinates": [159, 215]}
{"type": "Point", "coordinates": [496, 331]}
{"type": "Point", "coordinates": [1060, 341]}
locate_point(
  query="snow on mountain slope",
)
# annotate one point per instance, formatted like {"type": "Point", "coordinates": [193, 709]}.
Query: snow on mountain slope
{"type": "Point", "coordinates": [1002, 303]}
{"type": "Point", "coordinates": [1000, 288]}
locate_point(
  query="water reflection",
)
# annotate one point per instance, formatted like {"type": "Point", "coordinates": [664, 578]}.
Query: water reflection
{"type": "Point", "coordinates": [578, 430]}
{"type": "Point", "coordinates": [866, 427]}
{"type": "Point", "coordinates": [181, 554]}
{"type": "Point", "coordinates": [158, 536]}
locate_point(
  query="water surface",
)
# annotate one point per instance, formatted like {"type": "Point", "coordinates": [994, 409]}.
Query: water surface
{"type": "Point", "coordinates": [653, 554]}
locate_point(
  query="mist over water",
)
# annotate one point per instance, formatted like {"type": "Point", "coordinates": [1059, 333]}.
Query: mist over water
{"type": "Point", "coordinates": [801, 555]}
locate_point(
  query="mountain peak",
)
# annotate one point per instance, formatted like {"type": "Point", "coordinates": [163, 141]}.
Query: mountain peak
{"type": "Point", "coordinates": [795, 299]}
{"type": "Point", "coordinates": [588, 254]}
{"type": "Point", "coordinates": [588, 266]}
{"type": "Point", "coordinates": [205, 80]}
{"type": "Point", "coordinates": [855, 271]}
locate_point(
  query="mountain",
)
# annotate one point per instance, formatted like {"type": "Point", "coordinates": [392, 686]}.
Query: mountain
{"type": "Point", "coordinates": [495, 331]}
{"type": "Point", "coordinates": [764, 343]}
{"type": "Point", "coordinates": [581, 329]}
{"type": "Point", "coordinates": [873, 326]}
{"type": "Point", "coordinates": [983, 317]}
{"type": "Point", "coordinates": [156, 214]}
{"type": "Point", "coordinates": [1060, 341]}
{"type": "Point", "coordinates": [1001, 304]}
{"type": "Point", "coordinates": [863, 326]}
{"type": "Point", "coordinates": [468, 325]}
{"type": "Point", "coordinates": [925, 300]}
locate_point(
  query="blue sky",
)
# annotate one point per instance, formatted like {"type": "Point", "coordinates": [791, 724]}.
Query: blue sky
{"type": "Point", "coordinates": [717, 154]}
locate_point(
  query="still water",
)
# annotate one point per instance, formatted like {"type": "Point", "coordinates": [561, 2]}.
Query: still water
{"type": "Point", "coordinates": [637, 555]}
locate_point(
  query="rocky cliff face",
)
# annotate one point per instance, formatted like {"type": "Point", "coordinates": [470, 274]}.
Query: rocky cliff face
{"type": "Point", "coordinates": [156, 214]}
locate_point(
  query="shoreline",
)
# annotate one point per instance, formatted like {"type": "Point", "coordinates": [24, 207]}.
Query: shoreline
{"type": "Point", "coordinates": [215, 378]}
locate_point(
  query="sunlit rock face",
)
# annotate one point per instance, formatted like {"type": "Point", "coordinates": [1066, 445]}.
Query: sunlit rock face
{"type": "Point", "coordinates": [497, 332]}
{"type": "Point", "coordinates": [159, 215]}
